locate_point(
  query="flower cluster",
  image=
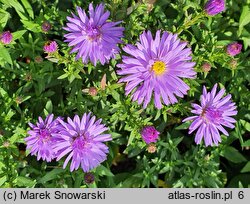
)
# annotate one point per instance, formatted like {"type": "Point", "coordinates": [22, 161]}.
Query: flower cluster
{"type": "Point", "coordinates": [153, 69]}
{"type": "Point", "coordinates": [80, 140]}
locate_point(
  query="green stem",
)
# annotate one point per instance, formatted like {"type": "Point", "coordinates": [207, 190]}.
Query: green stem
{"type": "Point", "coordinates": [191, 22]}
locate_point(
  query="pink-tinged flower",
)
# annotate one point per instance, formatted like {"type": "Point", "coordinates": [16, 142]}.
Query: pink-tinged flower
{"type": "Point", "coordinates": [40, 141]}
{"type": "Point", "coordinates": [50, 47]}
{"type": "Point", "coordinates": [6, 37]}
{"type": "Point", "coordinates": [213, 7]}
{"type": "Point", "coordinates": [93, 37]}
{"type": "Point", "coordinates": [214, 112]}
{"type": "Point", "coordinates": [156, 66]}
{"type": "Point", "coordinates": [206, 67]}
{"type": "Point", "coordinates": [149, 134]}
{"type": "Point", "coordinates": [46, 26]}
{"type": "Point", "coordinates": [82, 141]}
{"type": "Point", "coordinates": [234, 48]}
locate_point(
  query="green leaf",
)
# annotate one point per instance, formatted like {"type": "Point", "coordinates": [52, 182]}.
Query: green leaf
{"type": "Point", "coordinates": [17, 6]}
{"type": "Point", "coordinates": [244, 18]}
{"type": "Point", "coordinates": [50, 175]}
{"type": "Point", "coordinates": [158, 114]}
{"type": "Point", "coordinates": [34, 27]}
{"type": "Point", "coordinates": [244, 179]}
{"type": "Point", "coordinates": [183, 126]}
{"type": "Point", "coordinates": [115, 86]}
{"type": "Point", "coordinates": [49, 106]}
{"type": "Point", "coordinates": [246, 41]}
{"type": "Point", "coordinates": [115, 95]}
{"type": "Point", "coordinates": [63, 76]}
{"type": "Point", "coordinates": [245, 124]}
{"type": "Point", "coordinates": [18, 133]}
{"type": "Point", "coordinates": [177, 141]}
{"type": "Point", "coordinates": [71, 78]}
{"type": "Point", "coordinates": [28, 8]}
{"type": "Point", "coordinates": [233, 155]}
{"type": "Point", "coordinates": [9, 115]}
{"type": "Point", "coordinates": [5, 55]}
{"type": "Point", "coordinates": [3, 93]}
{"type": "Point", "coordinates": [3, 180]}
{"type": "Point", "coordinates": [25, 182]}
{"type": "Point", "coordinates": [135, 151]}
{"type": "Point", "coordinates": [246, 144]}
{"type": "Point", "coordinates": [131, 137]}
{"type": "Point", "coordinates": [18, 34]}
{"type": "Point", "coordinates": [4, 16]}
{"type": "Point", "coordinates": [26, 98]}
{"type": "Point", "coordinates": [103, 171]}
{"type": "Point", "coordinates": [246, 168]}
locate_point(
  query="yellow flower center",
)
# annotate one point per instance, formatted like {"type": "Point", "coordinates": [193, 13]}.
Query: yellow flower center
{"type": "Point", "coordinates": [159, 67]}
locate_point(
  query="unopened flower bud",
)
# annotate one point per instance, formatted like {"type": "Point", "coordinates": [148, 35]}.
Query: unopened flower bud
{"type": "Point", "coordinates": [151, 148]}
{"type": "Point", "coordinates": [19, 99]}
{"type": "Point", "coordinates": [234, 48]}
{"type": "Point", "coordinates": [206, 67]}
{"type": "Point", "coordinates": [38, 59]}
{"type": "Point", "coordinates": [6, 144]}
{"type": "Point", "coordinates": [27, 59]}
{"type": "Point", "coordinates": [150, 4]}
{"type": "Point", "coordinates": [89, 178]}
{"type": "Point", "coordinates": [93, 91]}
{"type": "Point", "coordinates": [207, 157]}
{"type": "Point", "coordinates": [46, 26]}
{"type": "Point", "coordinates": [28, 77]}
{"type": "Point", "coordinates": [213, 7]}
{"type": "Point", "coordinates": [149, 134]}
{"type": "Point", "coordinates": [50, 47]}
{"type": "Point", "coordinates": [233, 63]}
{"type": "Point", "coordinates": [6, 37]}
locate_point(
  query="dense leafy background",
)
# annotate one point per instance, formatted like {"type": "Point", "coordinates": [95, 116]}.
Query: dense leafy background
{"type": "Point", "coordinates": [32, 86]}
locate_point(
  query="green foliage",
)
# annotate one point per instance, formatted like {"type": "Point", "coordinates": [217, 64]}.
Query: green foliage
{"type": "Point", "coordinates": [33, 84]}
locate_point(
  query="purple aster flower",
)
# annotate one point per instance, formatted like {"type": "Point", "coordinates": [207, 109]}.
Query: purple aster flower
{"type": "Point", "coordinates": [82, 141]}
{"type": "Point", "coordinates": [149, 134]}
{"type": "Point", "coordinates": [214, 112]}
{"type": "Point", "coordinates": [50, 47]}
{"type": "Point", "coordinates": [157, 66]}
{"type": "Point", "coordinates": [234, 48]}
{"type": "Point", "coordinates": [93, 37]}
{"type": "Point", "coordinates": [213, 7]}
{"type": "Point", "coordinates": [40, 141]}
{"type": "Point", "coordinates": [6, 37]}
